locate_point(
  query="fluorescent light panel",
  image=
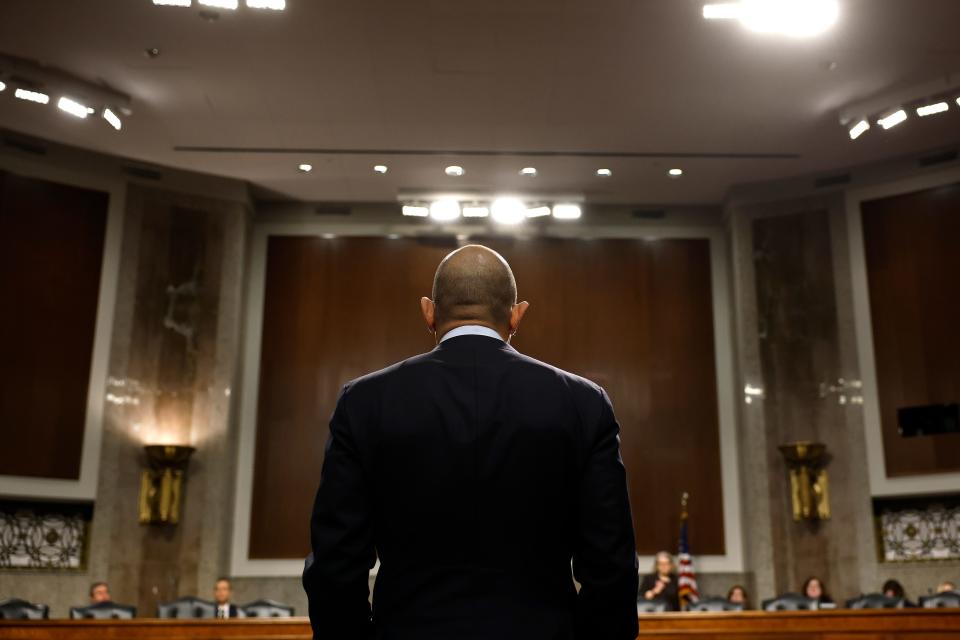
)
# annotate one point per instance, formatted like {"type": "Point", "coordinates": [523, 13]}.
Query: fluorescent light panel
{"type": "Point", "coordinates": [112, 119]}
{"type": "Point", "coordinates": [380, 168]}
{"type": "Point", "coordinates": [475, 211]}
{"type": "Point", "coordinates": [859, 129]}
{"type": "Point", "coordinates": [528, 172]}
{"type": "Point", "coordinates": [2, 86]}
{"type": "Point", "coordinates": [172, 3]}
{"type": "Point", "coordinates": [604, 173]}
{"type": "Point", "coordinates": [795, 18]}
{"type": "Point", "coordinates": [892, 120]}
{"type": "Point", "coordinates": [415, 211]}
{"type": "Point", "coordinates": [675, 173]}
{"type": "Point", "coordinates": [276, 5]}
{"type": "Point", "coordinates": [538, 212]}
{"type": "Point", "coordinates": [72, 107]}
{"type": "Point", "coordinates": [220, 4]}
{"type": "Point", "coordinates": [508, 211]}
{"type": "Point", "coordinates": [446, 209]}
{"type": "Point", "coordinates": [306, 168]}
{"type": "Point", "coordinates": [454, 171]}
{"type": "Point", "coordinates": [722, 11]}
{"type": "Point", "coordinates": [931, 109]}
{"type": "Point", "coordinates": [32, 96]}
{"type": "Point", "coordinates": [566, 211]}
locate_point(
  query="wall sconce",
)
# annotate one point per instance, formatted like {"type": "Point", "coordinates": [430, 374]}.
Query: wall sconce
{"type": "Point", "coordinates": [161, 485]}
{"type": "Point", "coordinates": [809, 486]}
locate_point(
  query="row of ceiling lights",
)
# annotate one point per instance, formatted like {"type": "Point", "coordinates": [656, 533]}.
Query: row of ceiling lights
{"type": "Point", "coordinates": [67, 105]}
{"type": "Point", "coordinates": [455, 171]}
{"type": "Point", "coordinates": [503, 210]}
{"type": "Point", "coordinates": [276, 5]}
{"type": "Point", "coordinates": [895, 117]}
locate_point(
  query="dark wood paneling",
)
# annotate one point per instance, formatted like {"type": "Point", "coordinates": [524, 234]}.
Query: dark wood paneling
{"type": "Point", "coordinates": [51, 248]}
{"type": "Point", "coordinates": [913, 268]}
{"type": "Point", "coordinates": [634, 316]}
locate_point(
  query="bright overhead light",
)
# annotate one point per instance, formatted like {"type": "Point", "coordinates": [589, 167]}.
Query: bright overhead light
{"type": "Point", "coordinates": [304, 167]}
{"type": "Point", "coordinates": [508, 211]}
{"type": "Point", "coordinates": [797, 18]}
{"type": "Point", "coordinates": [721, 11]}
{"type": "Point", "coordinates": [220, 4]}
{"type": "Point", "coordinates": [380, 168]}
{"type": "Point", "coordinates": [859, 129]}
{"type": "Point", "coordinates": [538, 212]}
{"type": "Point", "coordinates": [328, 236]}
{"type": "Point", "coordinates": [475, 211]}
{"type": "Point", "coordinates": [112, 118]}
{"type": "Point", "coordinates": [454, 171]}
{"type": "Point", "coordinates": [2, 86]}
{"type": "Point", "coordinates": [675, 173]}
{"type": "Point", "coordinates": [276, 5]}
{"type": "Point", "coordinates": [172, 3]}
{"type": "Point", "coordinates": [528, 172]}
{"type": "Point", "coordinates": [415, 210]}
{"type": "Point", "coordinates": [604, 173]}
{"type": "Point", "coordinates": [931, 109]}
{"type": "Point", "coordinates": [72, 107]}
{"type": "Point", "coordinates": [566, 211]}
{"type": "Point", "coordinates": [892, 120]}
{"type": "Point", "coordinates": [32, 96]}
{"type": "Point", "coordinates": [446, 209]}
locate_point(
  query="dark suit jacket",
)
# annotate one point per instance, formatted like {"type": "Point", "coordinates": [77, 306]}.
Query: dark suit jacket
{"type": "Point", "coordinates": [670, 593]}
{"type": "Point", "coordinates": [476, 474]}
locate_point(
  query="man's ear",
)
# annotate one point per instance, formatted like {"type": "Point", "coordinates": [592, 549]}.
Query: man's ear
{"type": "Point", "coordinates": [516, 315]}
{"type": "Point", "coordinates": [429, 311]}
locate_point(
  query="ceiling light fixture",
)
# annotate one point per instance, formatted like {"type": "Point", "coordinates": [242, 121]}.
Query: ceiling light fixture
{"type": "Point", "coordinates": [445, 210]}
{"type": "Point", "coordinates": [604, 173]}
{"type": "Point", "coordinates": [508, 211]}
{"type": "Point", "coordinates": [528, 172]}
{"type": "Point", "coordinates": [328, 236]}
{"type": "Point", "coordinates": [380, 168]}
{"type": "Point", "coordinates": [454, 171]}
{"type": "Point", "coordinates": [112, 118]}
{"type": "Point", "coordinates": [475, 211]}
{"type": "Point", "coordinates": [220, 4]}
{"type": "Point", "coordinates": [931, 109]}
{"type": "Point", "coordinates": [72, 107]}
{"type": "Point", "coordinates": [415, 211]}
{"type": "Point", "coordinates": [304, 167]}
{"type": "Point", "coordinates": [795, 18]}
{"type": "Point", "coordinates": [538, 211]}
{"type": "Point", "coordinates": [892, 120]}
{"type": "Point", "coordinates": [859, 129]}
{"type": "Point", "coordinates": [32, 96]}
{"type": "Point", "coordinates": [566, 211]}
{"type": "Point", "coordinates": [2, 86]}
{"type": "Point", "coordinates": [675, 173]}
{"type": "Point", "coordinates": [275, 5]}
{"type": "Point", "coordinates": [172, 3]}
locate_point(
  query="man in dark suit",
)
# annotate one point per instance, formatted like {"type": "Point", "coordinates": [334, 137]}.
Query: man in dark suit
{"type": "Point", "coordinates": [477, 475]}
{"type": "Point", "coordinates": [222, 594]}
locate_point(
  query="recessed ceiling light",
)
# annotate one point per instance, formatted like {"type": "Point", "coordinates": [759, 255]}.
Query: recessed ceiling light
{"type": "Point", "coordinates": [454, 171]}
{"type": "Point", "coordinates": [306, 168]}
{"type": "Point", "coordinates": [892, 120]}
{"type": "Point", "coordinates": [538, 212]}
{"type": "Point", "coordinates": [675, 173]}
{"type": "Point", "coordinates": [72, 107]}
{"type": "Point", "coordinates": [604, 173]}
{"type": "Point", "coordinates": [475, 211]}
{"type": "Point", "coordinates": [797, 18]}
{"type": "Point", "coordinates": [566, 211]}
{"type": "Point", "coordinates": [508, 211]}
{"type": "Point", "coordinates": [380, 168]}
{"type": "Point", "coordinates": [276, 5]}
{"type": "Point", "coordinates": [172, 3]}
{"type": "Point", "coordinates": [931, 109]}
{"type": "Point", "coordinates": [112, 118]}
{"type": "Point", "coordinates": [220, 4]}
{"type": "Point", "coordinates": [446, 209]}
{"type": "Point", "coordinates": [415, 210]}
{"type": "Point", "coordinates": [2, 86]}
{"type": "Point", "coordinates": [859, 129]}
{"type": "Point", "coordinates": [32, 96]}
{"type": "Point", "coordinates": [528, 172]}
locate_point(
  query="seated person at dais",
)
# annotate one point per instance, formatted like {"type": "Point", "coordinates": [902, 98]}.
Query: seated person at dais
{"type": "Point", "coordinates": [813, 588]}
{"type": "Point", "coordinates": [662, 583]}
{"type": "Point", "coordinates": [738, 595]}
{"type": "Point", "coordinates": [100, 592]}
{"type": "Point", "coordinates": [222, 592]}
{"type": "Point", "coordinates": [946, 587]}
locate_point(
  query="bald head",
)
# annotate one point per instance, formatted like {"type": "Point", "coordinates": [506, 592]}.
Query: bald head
{"type": "Point", "coordinates": [474, 284]}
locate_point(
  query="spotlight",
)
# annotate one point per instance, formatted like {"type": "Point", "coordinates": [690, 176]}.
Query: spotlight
{"type": "Point", "coordinates": [604, 173]}
{"type": "Point", "coordinates": [454, 171]}
{"type": "Point", "coordinates": [538, 212]}
{"type": "Point", "coordinates": [566, 211]}
{"type": "Point", "coordinates": [931, 109]}
{"type": "Point", "coordinates": [172, 3]}
{"type": "Point", "coordinates": [72, 107]}
{"type": "Point", "coordinates": [416, 211]}
{"type": "Point", "coordinates": [32, 96]}
{"type": "Point", "coordinates": [529, 172]}
{"type": "Point", "coordinates": [892, 120]}
{"type": "Point", "coordinates": [112, 118]}
{"type": "Point", "coordinates": [859, 129]}
{"type": "Point", "coordinates": [305, 168]}
{"type": "Point", "coordinates": [220, 4]}
{"type": "Point", "coordinates": [276, 5]}
{"type": "Point", "coordinates": [380, 168]}
{"type": "Point", "coordinates": [475, 211]}
{"type": "Point", "coordinates": [446, 209]}
{"type": "Point", "coordinates": [508, 211]}
{"type": "Point", "coordinates": [675, 173]}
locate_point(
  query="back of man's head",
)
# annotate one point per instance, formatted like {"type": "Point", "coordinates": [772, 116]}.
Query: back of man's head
{"type": "Point", "coordinates": [474, 284]}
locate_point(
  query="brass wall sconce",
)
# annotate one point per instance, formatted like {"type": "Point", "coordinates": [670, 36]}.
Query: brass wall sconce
{"type": "Point", "coordinates": [161, 485]}
{"type": "Point", "coordinates": [809, 485]}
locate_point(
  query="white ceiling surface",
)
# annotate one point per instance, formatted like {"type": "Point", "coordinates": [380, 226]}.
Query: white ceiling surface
{"type": "Point", "coordinates": [575, 75]}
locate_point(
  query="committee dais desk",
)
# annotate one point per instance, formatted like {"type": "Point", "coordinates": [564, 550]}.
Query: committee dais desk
{"type": "Point", "coordinates": [917, 624]}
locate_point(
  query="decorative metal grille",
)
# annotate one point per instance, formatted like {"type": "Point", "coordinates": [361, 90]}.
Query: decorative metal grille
{"type": "Point", "coordinates": [43, 536]}
{"type": "Point", "coordinates": [920, 532]}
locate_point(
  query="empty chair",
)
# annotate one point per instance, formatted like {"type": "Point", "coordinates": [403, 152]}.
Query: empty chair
{"type": "Point", "coordinates": [876, 601]}
{"type": "Point", "coordinates": [715, 604]}
{"type": "Point", "coordinates": [266, 609]}
{"type": "Point", "coordinates": [790, 602]}
{"type": "Point", "coordinates": [17, 609]}
{"type": "Point", "coordinates": [652, 606]}
{"type": "Point", "coordinates": [103, 611]}
{"type": "Point", "coordinates": [945, 599]}
{"type": "Point", "coordinates": [188, 607]}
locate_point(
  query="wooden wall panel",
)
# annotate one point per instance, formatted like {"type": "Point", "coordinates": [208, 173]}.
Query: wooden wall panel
{"type": "Point", "coordinates": [913, 269]}
{"type": "Point", "coordinates": [51, 248]}
{"type": "Point", "coordinates": [635, 316]}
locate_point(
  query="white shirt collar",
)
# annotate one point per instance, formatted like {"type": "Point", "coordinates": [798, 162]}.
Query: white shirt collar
{"type": "Point", "coordinates": [471, 330]}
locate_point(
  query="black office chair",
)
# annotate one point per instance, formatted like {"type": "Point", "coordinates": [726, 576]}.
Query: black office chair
{"type": "Point", "coordinates": [103, 611]}
{"type": "Point", "coordinates": [17, 609]}
{"type": "Point", "coordinates": [876, 601]}
{"type": "Point", "coordinates": [266, 609]}
{"type": "Point", "coordinates": [790, 602]}
{"type": "Point", "coordinates": [188, 607]}
{"type": "Point", "coordinates": [945, 599]}
{"type": "Point", "coordinates": [652, 606]}
{"type": "Point", "coordinates": [715, 604]}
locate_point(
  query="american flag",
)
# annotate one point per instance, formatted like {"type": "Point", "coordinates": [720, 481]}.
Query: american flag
{"type": "Point", "coordinates": [687, 578]}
